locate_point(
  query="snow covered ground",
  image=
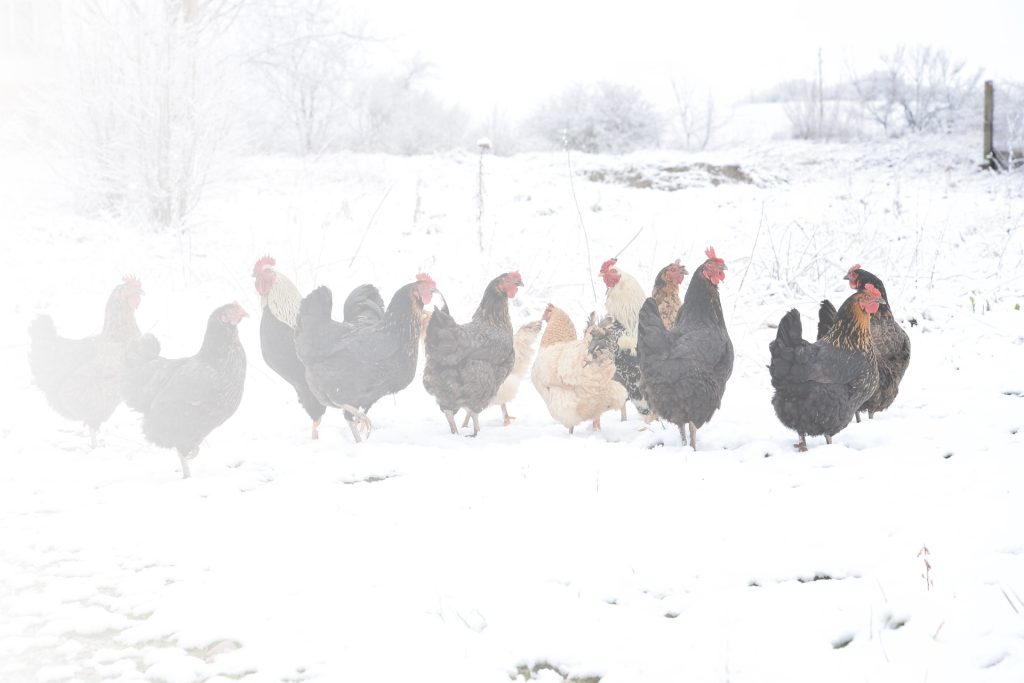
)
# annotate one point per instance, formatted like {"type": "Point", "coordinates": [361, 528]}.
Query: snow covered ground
{"type": "Point", "coordinates": [895, 554]}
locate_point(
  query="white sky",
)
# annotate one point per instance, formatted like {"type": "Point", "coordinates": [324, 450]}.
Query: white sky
{"type": "Point", "coordinates": [512, 54]}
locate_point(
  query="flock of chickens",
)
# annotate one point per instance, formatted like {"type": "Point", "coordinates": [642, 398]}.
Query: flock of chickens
{"type": "Point", "coordinates": [670, 358]}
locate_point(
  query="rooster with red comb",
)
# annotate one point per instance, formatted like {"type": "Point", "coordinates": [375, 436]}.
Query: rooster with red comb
{"type": "Point", "coordinates": [280, 299]}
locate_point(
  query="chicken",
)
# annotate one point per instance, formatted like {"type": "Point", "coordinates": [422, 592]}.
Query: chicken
{"type": "Point", "coordinates": [467, 364]}
{"type": "Point", "coordinates": [352, 364]}
{"type": "Point", "coordinates": [522, 343]}
{"type": "Point", "coordinates": [892, 345]}
{"type": "Point", "coordinates": [184, 399]}
{"type": "Point", "coordinates": [575, 377]}
{"type": "Point", "coordinates": [666, 292]}
{"type": "Point", "coordinates": [623, 301]}
{"type": "Point", "coordinates": [819, 386]}
{"type": "Point", "coordinates": [280, 300]}
{"type": "Point", "coordinates": [685, 368]}
{"type": "Point", "coordinates": [81, 378]}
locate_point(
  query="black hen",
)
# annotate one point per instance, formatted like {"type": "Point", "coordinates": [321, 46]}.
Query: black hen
{"type": "Point", "coordinates": [892, 345]}
{"type": "Point", "coordinates": [685, 368]}
{"type": "Point", "coordinates": [280, 300]}
{"type": "Point", "coordinates": [819, 386]}
{"type": "Point", "coordinates": [373, 353]}
{"type": "Point", "coordinates": [184, 399]}
{"type": "Point", "coordinates": [466, 364]}
{"type": "Point", "coordinates": [81, 378]}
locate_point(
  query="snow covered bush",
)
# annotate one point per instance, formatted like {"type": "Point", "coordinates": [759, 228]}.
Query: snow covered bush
{"type": "Point", "coordinates": [920, 88]}
{"type": "Point", "coordinates": [395, 114]}
{"type": "Point", "coordinates": [144, 114]}
{"type": "Point", "coordinates": [605, 117]}
{"type": "Point", "coordinates": [307, 56]}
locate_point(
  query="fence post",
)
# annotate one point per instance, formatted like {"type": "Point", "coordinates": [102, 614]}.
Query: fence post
{"type": "Point", "coordinates": [989, 156]}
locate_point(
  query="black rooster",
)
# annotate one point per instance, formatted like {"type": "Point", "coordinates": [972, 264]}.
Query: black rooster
{"type": "Point", "coordinates": [352, 364]}
{"type": "Point", "coordinates": [184, 399]}
{"type": "Point", "coordinates": [466, 364]}
{"type": "Point", "coordinates": [280, 299]}
{"type": "Point", "coordinates": [819, 386]}
{"type": "Point", "coordinates": [685, 368]}
{"type": "Point", "coordinates": [892, 345]}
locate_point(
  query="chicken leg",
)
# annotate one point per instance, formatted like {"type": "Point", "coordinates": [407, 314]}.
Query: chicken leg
{"type": "Point", "coordinates": [356, 419]}
{"type": "Point", "coordinates": [828, 439]}
{"type": "Point", "coordinates": [316, 430]}
{"type": "Point", "coordinates": [508, 418]}
{"type": "Point", "coordinates": [186, 473]}
{"type": "Point", "coordinates": [476, 422]}
{"type": "Point", "coordinates": [450, 416]}
{"type": "Point", "coordinates": [465, 422]}
{"type": "Point", "coordinates": [597, 423]}
{"type": "Point", "coordinates": [802, 445]}
{"type": "Point", "coordinates": [682, 433]}
{"type": "Point", "coordinates": [693, 436]}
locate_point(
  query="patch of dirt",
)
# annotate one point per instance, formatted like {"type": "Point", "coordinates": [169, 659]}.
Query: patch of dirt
{"type": "Point", "coordinates": [672, 178]}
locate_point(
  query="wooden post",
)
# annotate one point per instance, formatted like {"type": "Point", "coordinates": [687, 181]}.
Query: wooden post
{"type": "Point", "coordinates": [989, 156]}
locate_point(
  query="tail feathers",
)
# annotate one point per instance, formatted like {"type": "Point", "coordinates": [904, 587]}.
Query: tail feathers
{"type": "Point", "coordinates": [42, 330]}
{"type": "Point", "coordinates": [364, 305]}
{"type": "Point", "coordinates": [790, 330]}
{"type": "Point", "coordinates": [826, 317]}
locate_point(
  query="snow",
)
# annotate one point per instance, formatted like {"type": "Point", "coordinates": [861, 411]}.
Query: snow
{"type": "Point", "coordinates": [527, 553]}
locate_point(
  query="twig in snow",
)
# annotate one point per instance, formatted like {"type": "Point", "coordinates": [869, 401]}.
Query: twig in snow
{"type": "Point", "coordinates": [760, 223]}
{"type": "Point", "coordinates": [583, 227]}
{"type": "Point", "coordinates": [923, 553]}
{"type": "Point", "coordinates": [370, 225]}
{"type": "Point", "coordinates": [633, 239]}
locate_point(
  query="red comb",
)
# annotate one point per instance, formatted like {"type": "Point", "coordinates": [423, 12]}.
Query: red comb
{"type": "Point", "coordinates": [872, 290]}
{"type": "Point", "coordinates": [516, 275]}
{"type": "Point", "coordinates": [263, 263]}
{"type": "Point", "coordinates": [608, 264]}
{"type": "Point", "coordinates": [423, 277]}
{"type": "Point", "coordinates": [710, 253]}
{"type": "Point", "coordinates": [132, 281]}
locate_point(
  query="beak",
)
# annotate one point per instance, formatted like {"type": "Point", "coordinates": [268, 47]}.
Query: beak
{"type": "Point", "coordinates": [724, 267]}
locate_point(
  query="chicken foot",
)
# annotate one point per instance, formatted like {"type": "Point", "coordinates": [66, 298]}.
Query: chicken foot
{"type": "Point", "coordinates": [802, 445]}
{"type": "Point", "coordinates": [450, 416]}
{"type": "Point", "coordinates": [186, 473]}
{"type": "Point", "coordinates": [356, 419]}
{"type": "Point", "coordinates": [316, 430]}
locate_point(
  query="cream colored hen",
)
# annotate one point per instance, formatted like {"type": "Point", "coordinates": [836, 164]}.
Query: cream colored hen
{"type": "Point", "coordinates": [522, 342]}
{"type": "Point", "coordinates": [575, 376]}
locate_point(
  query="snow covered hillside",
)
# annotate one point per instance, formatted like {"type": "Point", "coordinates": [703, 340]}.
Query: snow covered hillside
{"type": "Point", "coordinates": [895, 554]}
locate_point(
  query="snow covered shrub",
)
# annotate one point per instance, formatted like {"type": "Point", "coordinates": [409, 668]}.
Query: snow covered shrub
{"type": "Point", "coordinates": [144, 114]}
{"type": "Point", "coordinates": [920, 88]}
{"type": "Point", "coordinates": [605, 117]}
{"type": "Point", "coordinates": [813, 117]}
{"type": "Point", "coordinates": [393, 114]}
{"type": "Point", "coordinates": [307, 57]}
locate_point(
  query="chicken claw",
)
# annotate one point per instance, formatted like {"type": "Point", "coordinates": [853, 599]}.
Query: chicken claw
{"type": "Point", "coordinates": [358, 420]}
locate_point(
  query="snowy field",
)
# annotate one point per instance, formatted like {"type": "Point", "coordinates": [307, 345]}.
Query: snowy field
{"type": "Point", "coordinates": [896, 554]}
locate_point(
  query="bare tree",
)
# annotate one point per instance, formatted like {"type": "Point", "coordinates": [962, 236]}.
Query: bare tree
{"type": "Point", "coordinates": [309, 60]}
{"type": "Point", "coordinates": [695, 117]}
{"type": "Point", "coordinates": [918, 88]}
